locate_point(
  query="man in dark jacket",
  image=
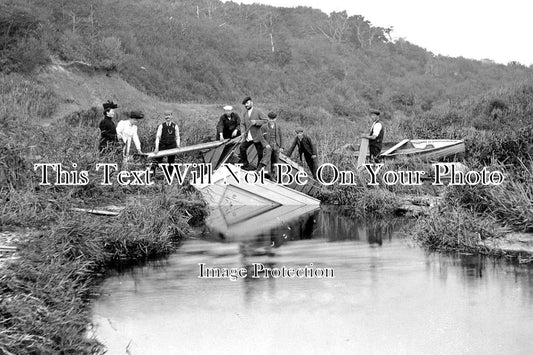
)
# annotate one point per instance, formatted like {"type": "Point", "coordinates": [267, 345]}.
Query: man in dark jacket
{"type": "Point", "coordinates": [108, 132]}
{"type": "Point", "coordinates": [252, 120]}
{"type": "Point", "coordinates": [229, 124]}
{"type": "Point", "coordinates": [305, 147]}
{"type": "Point", "coordinates": [272, 134]}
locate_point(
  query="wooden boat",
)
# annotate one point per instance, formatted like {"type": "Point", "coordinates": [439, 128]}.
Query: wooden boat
{"type": "Point", "coordinates": [231, 186]}
{"type": "Point", "coordinates": [224, 189]}
{"type": "Point", "coordinates": [425, 149]}
{"type": "Point", "coordinates": [228, 153]}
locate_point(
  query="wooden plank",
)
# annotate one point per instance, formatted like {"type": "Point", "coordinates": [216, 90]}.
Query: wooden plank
{"type": "Point", "coordinates": [363, 150]}
{"type": "Point", "coordinates": [217, 153]}
{"type": "Point", "coordinates": [188, 149]}
{"type": "Point", "coordinates": [208, 156]}
{"type": "Point", "coordinates": [7, 248]}
{"type": "Point", "coordinates": [94, 211]}
{"type": "Point", "coordinates": [393, 148]}
{"type": "Point", "coordinates": [306, 188]}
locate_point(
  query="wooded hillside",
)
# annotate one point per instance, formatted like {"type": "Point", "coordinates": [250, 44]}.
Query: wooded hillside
{"type": "Point", "coordinates": [307, 62]}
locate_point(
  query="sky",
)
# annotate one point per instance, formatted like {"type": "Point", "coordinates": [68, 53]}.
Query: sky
{"type": "Point", "coordinates": [475, 29]}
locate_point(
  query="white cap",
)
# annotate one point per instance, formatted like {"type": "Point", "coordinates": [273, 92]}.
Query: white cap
{"type": "Point", "coordinates": [228, 108]}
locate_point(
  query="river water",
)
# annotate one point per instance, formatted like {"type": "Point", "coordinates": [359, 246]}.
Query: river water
{"type": "Point", "coordinates": [387, 295]}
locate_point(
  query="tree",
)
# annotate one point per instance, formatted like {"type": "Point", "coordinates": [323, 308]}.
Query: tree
{"type": "Point", "coordinates": [335, 27]}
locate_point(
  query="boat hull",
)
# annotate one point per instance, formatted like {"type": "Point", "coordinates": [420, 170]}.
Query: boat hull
{"type": "Point", "coordinates": [231, 185]}
{"type": "Point", "coordinates": [424, 149]}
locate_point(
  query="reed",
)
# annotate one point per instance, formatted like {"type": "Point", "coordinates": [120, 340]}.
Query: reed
{"type": "Point", "coordinates": [46, 292]}
{"type": "Point", "coordinates": [511, 203]}
{"type": "Point", "coordinates": [455, 229]}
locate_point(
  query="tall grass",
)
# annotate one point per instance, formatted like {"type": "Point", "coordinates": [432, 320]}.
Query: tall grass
{"type": "Point", "coordinates": [455, 229]}
{"type": "Point", "coordinates": [511, 203]}
{"type": "Point", "coordinates": [22, 96]}
{"type": "Point", "coordinates": [45, 293]}
{"type": "Point", "coordinates": [498, 134]}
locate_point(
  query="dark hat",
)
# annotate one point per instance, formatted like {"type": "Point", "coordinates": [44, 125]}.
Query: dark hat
{"type": "Point", "coordinates": [136, 115]}
{"type": "Point", "coordinates": [272, 115]}
{"type": "Point", "coordinates": [299, 129]}
{"type": "Point", "coordinates": [109, 104]}
{"type": "Point", "coordinates": [246, 99]}
{"type": "Point", "coordinates": [375, 112]}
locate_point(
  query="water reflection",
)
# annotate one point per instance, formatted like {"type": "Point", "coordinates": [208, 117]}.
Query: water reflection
{"type": "Point", "coordinates": [387, 295]}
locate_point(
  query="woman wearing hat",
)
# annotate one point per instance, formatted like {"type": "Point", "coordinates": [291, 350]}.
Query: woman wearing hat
{"type": "Point", "coordinates": [127, 132]}
{"type": "Point", "coordinates": [108, 132]}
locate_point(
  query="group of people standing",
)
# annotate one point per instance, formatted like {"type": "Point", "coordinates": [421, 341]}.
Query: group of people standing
{"type": "Point", "coordinates": [260, 130]}
{"type": "Point", "coordinates": [125, 132]}
{"type": "Point", "coordinates": [264, 133]}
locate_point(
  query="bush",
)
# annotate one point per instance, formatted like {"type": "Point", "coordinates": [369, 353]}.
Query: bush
{"type": "Point", "coordinates": [21, 48]}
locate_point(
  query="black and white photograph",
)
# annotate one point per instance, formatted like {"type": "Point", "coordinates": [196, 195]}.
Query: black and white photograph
{"type": "Point", "coordinates": [266, 177]}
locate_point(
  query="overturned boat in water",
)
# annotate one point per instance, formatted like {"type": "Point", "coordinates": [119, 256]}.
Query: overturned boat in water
{"type": "Point", "coordinates": [231, 185]}
{"type": "Point", "coordinates": [226, 189]}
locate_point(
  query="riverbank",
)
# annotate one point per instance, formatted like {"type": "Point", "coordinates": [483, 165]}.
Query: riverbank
{"type": "Point", "coordinates": [46, 291]}
{"type": "Point", "coordinates": [450, 227]}
{"type": "Point", "coordinates": [46, 288]}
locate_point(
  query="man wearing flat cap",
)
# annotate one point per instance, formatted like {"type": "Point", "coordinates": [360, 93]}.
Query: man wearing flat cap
{"type": "Point", "coordinates": [127, 132]}
{"type": "Point", "coordinates": [108, 131]}
{"type": "Point", "coordinates": [229, 124]}
{"type": "Point", "coordinates": [375, 138]}
{"type": "Point", "coordinates": [252, 120]}
{"type": "Point", "coordinates": [167, 137]}
{"type": "Point", "coordinates": [305, 148]}
{"type": "Point", "coordinates": [272, 133]}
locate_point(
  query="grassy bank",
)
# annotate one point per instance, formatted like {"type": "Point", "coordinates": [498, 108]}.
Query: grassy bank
{"type": "Point", "coordinates": [498, 135]}
{"type": "Point", "coordinates": [45, 293]}
{"type": "Point", "coordinates": [497, 131]}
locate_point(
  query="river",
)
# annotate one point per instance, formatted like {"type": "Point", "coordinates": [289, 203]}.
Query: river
{"type": "Point", "coordinates": [385, 295]}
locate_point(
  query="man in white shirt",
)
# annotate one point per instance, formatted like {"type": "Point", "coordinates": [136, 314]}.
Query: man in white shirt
{"type": "Point", "coordinates": [127, 132]}
{"type": "Point", "coordinates": [375, 138]}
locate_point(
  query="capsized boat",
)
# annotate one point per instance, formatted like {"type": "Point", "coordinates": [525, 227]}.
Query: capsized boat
{"type": "Point", "coordinates": [227, 153]}
{"type": "Point", "coordinates": [230, 185]}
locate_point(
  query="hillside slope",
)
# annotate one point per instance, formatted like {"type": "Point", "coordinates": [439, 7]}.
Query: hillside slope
{"type": "Point", "coordinates": [213, 51]}
{"type": "Point", "coordinates": [78, 91]}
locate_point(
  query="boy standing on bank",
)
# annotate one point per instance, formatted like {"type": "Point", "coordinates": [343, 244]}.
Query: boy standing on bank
{"type": "Point", "coordinates": [167, 137]}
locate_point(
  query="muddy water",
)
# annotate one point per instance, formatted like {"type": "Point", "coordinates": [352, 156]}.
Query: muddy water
{"type": "Point", "coordinates": [386, 296]}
